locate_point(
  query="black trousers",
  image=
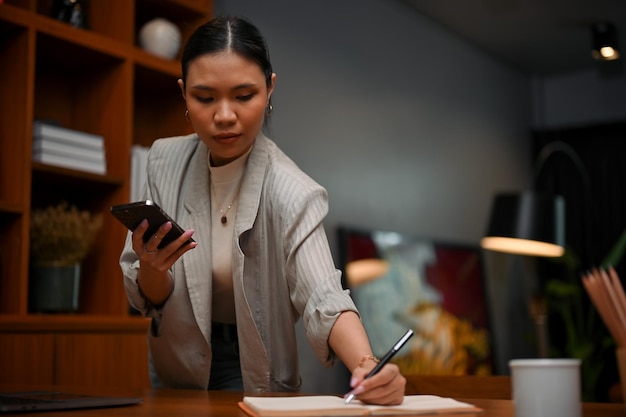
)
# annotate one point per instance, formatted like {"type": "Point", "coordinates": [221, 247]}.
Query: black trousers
{"type": "Point", "coordinates": [225, 365]}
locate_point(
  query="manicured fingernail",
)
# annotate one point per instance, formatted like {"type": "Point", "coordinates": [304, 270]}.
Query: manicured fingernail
{"type": "Point", "coordinates": [353, 382]}
{"type": "Point", "coordinates": [358, 390]}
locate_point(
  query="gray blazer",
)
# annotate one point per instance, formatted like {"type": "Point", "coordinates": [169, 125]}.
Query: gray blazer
{"type": "Point", "coordinates": [282, 268]}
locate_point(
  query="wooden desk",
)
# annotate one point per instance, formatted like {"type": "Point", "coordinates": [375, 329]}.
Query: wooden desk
{"type": "Point", "coordinates": [194, 403]}
{"type": "Point", "coordinates": [493, 387]}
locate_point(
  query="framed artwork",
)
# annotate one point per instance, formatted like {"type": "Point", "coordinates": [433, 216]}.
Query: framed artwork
{"type": "Point", "coordinates": [399, 281]}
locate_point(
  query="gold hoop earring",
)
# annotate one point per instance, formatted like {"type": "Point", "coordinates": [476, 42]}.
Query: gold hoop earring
{"type": "Point", "coordinates": [269, 110]}
{"type": "Point", "coordinates": [187, 115]}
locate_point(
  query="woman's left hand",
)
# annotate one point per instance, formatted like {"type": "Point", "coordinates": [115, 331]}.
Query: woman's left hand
{"type": "Point", "coordinates": [385, 388]}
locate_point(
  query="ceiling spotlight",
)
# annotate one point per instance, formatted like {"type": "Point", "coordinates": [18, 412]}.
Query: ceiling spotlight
{"type": "Point", "coordinates": [604, 42]}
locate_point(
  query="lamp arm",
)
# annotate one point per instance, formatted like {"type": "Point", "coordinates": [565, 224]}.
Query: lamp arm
{"type": "Point", "coordinates": [554, 147]}
{"type": "Point", "coordinates": [545, 153]}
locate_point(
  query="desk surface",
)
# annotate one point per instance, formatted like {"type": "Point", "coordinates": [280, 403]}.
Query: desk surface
{"type": "Point", "coordinates": [192, 403]}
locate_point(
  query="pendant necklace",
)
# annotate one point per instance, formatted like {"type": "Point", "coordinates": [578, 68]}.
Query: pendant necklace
{"type": "Point", "coordinates": [224, 219]}
{"type": "Point", "coordinates": [223, 212]}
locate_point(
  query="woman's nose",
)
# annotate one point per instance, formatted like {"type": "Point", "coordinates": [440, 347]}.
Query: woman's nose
{"type": "Point", "coordinates": [225, 113]}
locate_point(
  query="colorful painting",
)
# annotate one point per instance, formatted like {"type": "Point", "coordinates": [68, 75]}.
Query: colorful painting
{"type": "Point", "coordinates": [437, 289]}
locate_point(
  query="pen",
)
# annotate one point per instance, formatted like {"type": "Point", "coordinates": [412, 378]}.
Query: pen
{"type": "Point", "coordinates": [383, 361]}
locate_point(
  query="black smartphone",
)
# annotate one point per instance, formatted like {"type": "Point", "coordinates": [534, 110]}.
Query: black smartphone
{"type": "Point", "coordinates": [133, 213]}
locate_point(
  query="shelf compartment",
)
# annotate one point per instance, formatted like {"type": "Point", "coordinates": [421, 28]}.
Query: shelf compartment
{"type": "Point", "coordinates": [101, 292]}
{"type": "Point", "coordinates": [159, 108]}
{"type": "Point", "coordinates": [52, 184]}
{"type": "Point", "coordinates": [85, 90]}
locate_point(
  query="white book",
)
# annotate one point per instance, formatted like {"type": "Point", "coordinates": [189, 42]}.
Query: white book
{"type": "Point", "coordinates": [42, 130]}
{"type": "Point", "coordinates": [138, 166]}
{"type": "Point", "coordinates": [325, 405]}
{"type": "Point", "coordinates": [70, 151]}
{"type": "Point", "coordinates": [71, 163]}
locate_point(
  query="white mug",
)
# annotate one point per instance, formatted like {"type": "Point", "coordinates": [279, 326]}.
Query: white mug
{"type": "Point", "coordinates": [546, 387]}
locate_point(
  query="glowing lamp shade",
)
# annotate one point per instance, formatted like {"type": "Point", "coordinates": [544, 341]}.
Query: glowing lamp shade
{"type": "Point", "coordinates": [526, 224]}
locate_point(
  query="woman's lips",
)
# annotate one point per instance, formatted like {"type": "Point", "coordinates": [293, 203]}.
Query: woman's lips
{"type": "Point", "coordinates": [226, 137]}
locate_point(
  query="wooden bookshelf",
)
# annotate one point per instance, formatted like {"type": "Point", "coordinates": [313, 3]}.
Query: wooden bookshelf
{"type": "Point", "coordinates": [96, 80]}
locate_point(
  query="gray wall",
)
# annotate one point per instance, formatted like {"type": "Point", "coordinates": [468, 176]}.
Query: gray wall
{"type": "Point", "coordinates": [580, 98]}
{"type": "Point", "coordinates": [408, 127]}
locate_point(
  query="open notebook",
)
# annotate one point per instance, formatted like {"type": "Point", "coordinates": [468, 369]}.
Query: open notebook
{"type": "Point", "coordinates": [13, 402]}
{"type": "Point", "coordinates": [325, 405]}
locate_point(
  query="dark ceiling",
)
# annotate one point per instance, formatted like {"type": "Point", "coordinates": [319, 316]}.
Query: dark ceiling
{"type": "Point", "coordinates": [542, 37]}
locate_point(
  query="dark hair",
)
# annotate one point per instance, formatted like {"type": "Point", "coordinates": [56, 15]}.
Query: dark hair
{"type": "Point", "coordinates": [228, 33]}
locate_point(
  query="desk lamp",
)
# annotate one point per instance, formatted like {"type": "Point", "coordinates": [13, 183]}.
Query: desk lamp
{"type": "Point", "coordinates": [529, 224]}
{"type": "Point", "coordinates": [533, 224]}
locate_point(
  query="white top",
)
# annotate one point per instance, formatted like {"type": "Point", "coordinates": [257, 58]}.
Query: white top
{"type": "Point", "coordinates": [225, 185]}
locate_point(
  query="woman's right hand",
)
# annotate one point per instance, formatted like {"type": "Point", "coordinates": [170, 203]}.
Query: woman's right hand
{"type": "Point", "coordinates": [154, 263]}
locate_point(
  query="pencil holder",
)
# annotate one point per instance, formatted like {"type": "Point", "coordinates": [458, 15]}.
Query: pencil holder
{"type": "Point", "coordinates": [621, 365]}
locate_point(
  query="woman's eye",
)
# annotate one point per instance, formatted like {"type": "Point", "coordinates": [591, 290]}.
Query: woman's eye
{"type": "Point", "coordinates": [205, 99]}
{"type": "Point", "coordinates": [245, 98]}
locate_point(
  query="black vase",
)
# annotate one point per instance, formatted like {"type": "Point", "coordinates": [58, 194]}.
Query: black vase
{"type": "Point", "coordinates": [54, 289]}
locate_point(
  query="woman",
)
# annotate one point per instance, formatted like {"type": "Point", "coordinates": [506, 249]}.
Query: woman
{"type": "Point", "coordinates": [223, 314]}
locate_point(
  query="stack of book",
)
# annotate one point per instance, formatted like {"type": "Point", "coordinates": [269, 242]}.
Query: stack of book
{"type": "Point", "coordinates": [67, 148]}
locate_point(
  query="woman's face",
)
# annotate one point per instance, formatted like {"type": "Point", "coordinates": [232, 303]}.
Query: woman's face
{"type": "Point", "coordinates": [226, 97]}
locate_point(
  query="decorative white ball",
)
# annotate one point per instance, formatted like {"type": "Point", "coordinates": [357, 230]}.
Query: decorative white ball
{"type": "Point", "coordinates": [160, 37]}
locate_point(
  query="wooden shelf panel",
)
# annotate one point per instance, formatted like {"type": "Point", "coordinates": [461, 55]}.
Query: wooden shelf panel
{"type": "Point", "coordinates": [9, 209]}
{"type": "Point", "coordinates": [80, 37]}
{"type": "Point", "coordinates": [110, 18]}
{"type": "Point", "coordinates": [12, 13]}
{"type": "Point", "coordinates": [73, 178]}
{"type": "Point", "coordinates": [13, 287]}
{"type": "Point", "coordinates": [74, 350]}
{"type": "Point", "coordinates": [86, 359]}
{"type": "Point", "coordinates": [167, 67]}
{"type": "Point", "coordinates": [24, 4]}
{"type": "Point", "coordinates": [16, 104]}
{"type": "Point", "coordinates": [181, 12]}
{"type": "Point", "coordinates": [90, 323]}
{"type": "Point", "coordinates": [27, 358]}
{"type": "Point", "coordinates": [200, 7]}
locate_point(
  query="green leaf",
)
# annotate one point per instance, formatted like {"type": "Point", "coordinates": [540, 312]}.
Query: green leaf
{"type": "Point", "coordinates": [569, 260]}
{"type": "Point", "coordinates": [561, 289]}
{"type": "Point", "coordinates": [582, 350]}
{"type": "Point", "coordinates": [617, 252]}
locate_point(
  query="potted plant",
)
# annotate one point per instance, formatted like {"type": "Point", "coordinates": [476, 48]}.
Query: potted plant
{"type": "Point", "coordinates": [60, 239]}
{"type": "Point", "coordinates": [585, 335]}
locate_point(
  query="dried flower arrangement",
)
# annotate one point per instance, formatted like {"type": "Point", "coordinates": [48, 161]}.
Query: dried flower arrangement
{"type": "Point", "coordinates": [62, 234]}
